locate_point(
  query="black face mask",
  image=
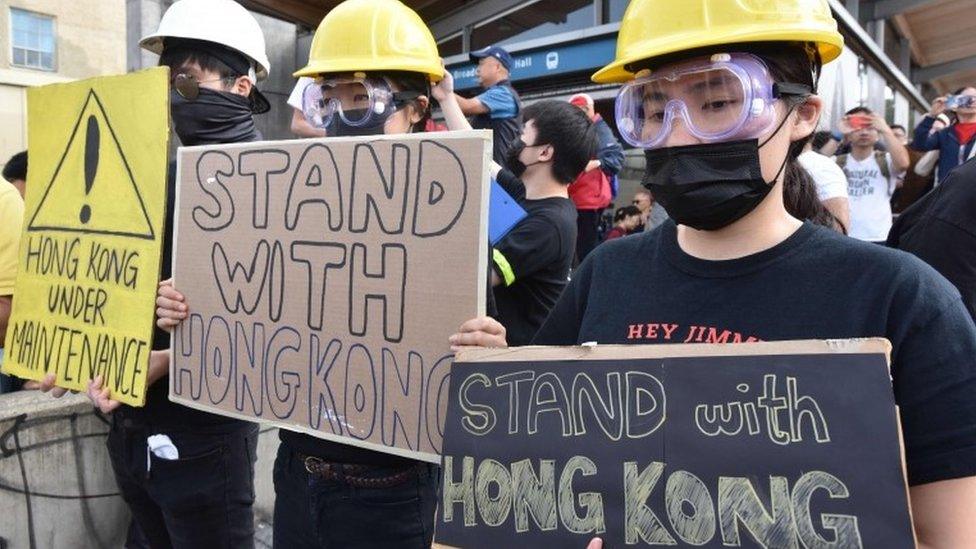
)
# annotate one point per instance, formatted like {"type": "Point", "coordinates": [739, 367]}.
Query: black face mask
{"type": "Point", "coordinates": [338, 128]}
{"type": "Point", "coordinates": [709, 186]}
{"type": "Point", "coordinates": [512, 161]}
{"type": "Point", "coordinates": [213, 117]}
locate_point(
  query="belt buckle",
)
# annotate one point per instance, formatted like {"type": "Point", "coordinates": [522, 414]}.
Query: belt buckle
{"type": "Point", "coordinates": [316, 466]}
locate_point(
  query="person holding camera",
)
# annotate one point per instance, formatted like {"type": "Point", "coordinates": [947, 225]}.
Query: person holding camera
{"type": "Point", "coordinates": [872, 176]}
{"type": "Point", "coordinates": [955, 142]}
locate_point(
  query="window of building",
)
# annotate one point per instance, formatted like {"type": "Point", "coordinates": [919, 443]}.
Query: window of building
{"type": "Point", "coordinates": [33, 40]}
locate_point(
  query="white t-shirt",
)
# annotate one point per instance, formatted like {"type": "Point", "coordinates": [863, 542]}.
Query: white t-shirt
{"type": "Point", "coordinates": [869, 194]}
{"type": "Point", "coordinates": [295, 99]}
{"type": "Point", "coordinates": [829, 178]}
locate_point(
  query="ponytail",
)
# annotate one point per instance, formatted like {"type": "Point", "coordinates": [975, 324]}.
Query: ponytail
{"type": "Point", "coordinates": [791, 62]}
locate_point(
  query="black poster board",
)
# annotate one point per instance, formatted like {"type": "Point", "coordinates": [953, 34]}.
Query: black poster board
{"type": "Point", "coordinates": [788, 444]}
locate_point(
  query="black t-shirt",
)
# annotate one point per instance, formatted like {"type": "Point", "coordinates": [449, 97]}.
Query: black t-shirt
{"type": "Point", "coordinates": [159, 412]}
{"type": "Point", "coordinates": [817, 284]}
{"type": "Point", "coordinates": [941, 230]}
{"type": "Point", "coordinates": [533, 262]}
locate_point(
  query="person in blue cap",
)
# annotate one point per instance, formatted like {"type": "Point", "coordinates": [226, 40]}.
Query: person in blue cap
{"type": "Point", "coordinates": [499, 107]}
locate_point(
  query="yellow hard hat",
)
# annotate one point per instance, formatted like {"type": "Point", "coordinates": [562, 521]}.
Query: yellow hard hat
{"type": "Point", "coordinates": [373, 35]}
{"type": "Point", "coordinates": [651, 28]}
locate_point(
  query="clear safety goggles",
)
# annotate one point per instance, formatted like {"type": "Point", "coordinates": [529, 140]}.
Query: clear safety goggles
{"type": "Point", "coordinates": [721, 98]}
{"type": "Point", "coordinates": [357, 101]}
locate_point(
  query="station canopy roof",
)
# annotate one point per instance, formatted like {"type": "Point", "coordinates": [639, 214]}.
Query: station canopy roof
{"type": "Point", "coordinates": [941, 33]}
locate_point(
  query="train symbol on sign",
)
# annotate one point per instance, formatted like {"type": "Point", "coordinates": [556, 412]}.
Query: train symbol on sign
{"type": "Point", "coordinates": [552, 60]}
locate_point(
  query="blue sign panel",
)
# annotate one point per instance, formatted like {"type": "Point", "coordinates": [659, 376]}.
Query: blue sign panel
{"type": "Point", "coordinates": [558, 59]}
{"type": "Point", "coordinates": [503, 213]}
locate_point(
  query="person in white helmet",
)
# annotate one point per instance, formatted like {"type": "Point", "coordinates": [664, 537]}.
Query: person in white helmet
{"type": "Point", "coordinates": [374, 62]}
{"type": "Point", "coordinates": [186, 475]}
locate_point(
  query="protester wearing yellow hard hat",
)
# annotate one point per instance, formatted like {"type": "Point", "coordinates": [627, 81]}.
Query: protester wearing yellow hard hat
{"type": "Point", "coordinates": [721, 97]}
{"type": "Point", "coordinates": [373, 35]}
{"type": "Point", "coordinates": [373, 62]}
{"type": "Point", "coordinates": [652, 29]}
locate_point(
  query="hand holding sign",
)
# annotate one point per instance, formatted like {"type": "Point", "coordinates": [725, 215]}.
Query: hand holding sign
{"type": "Point", "coordinates": [90, 253]}
{"type": "Point", "coordinates": [48, 385]}
{"type": "Point", "coordinates": [685, 445]}
{"type": "Point", "coordinates": [171, 306]}
{"type": "Point", "coordinates": [483, 331]}
{"type": "Point", "coordinates": [101, 396]}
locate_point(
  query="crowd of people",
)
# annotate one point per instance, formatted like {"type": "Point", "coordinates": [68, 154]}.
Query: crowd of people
{"type": "Point", "coordinates": [748, 220]}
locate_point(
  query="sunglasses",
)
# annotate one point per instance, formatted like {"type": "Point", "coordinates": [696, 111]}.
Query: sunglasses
{"type": "Point", "coordinates": [189, 88]}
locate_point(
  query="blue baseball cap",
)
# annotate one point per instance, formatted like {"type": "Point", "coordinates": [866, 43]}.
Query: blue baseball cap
{"type": "Point", "coordinates": [497, 52]}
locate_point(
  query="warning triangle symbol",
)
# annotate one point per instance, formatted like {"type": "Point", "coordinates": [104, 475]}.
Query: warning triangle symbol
{"type": "Point", "coordinates": [93, 190]}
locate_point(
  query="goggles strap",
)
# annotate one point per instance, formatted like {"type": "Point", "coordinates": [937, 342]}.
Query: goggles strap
{"type": "Point", "coordinates": [785, 158]}
{"type": "Point", "coordinates": [789, 88]}
{"type": "Point", "coordinates": [781, 168]}
{"type": "Point", "coordinates": [779, 127]}
{"type": "Point", "coordinates": [406, 96]}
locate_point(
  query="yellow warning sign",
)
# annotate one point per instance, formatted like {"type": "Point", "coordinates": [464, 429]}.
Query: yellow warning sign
{"type": "Point", "coordinates": [90, 252]}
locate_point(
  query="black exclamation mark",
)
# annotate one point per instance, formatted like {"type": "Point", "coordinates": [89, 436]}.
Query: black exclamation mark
{"type": "Point", "coordinates": [91, 163]}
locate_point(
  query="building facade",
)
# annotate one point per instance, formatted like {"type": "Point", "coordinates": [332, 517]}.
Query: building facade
{"type": "Point", "coordinates": [48, 41]}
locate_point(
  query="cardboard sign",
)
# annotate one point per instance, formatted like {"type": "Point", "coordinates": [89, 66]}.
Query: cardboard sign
{"type": "Point", "coordinates": [323, 279]}
{"type": "Point", "coordinates": [89, 256]}
{"type": "Point", "coordinates": [790, 444]}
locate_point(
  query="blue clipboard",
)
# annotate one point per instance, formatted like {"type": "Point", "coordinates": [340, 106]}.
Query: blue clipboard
{"type": "Point", "coordinates": [504, 212]}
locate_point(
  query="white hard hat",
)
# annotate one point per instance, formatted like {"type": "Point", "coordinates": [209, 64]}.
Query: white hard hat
{"type": "Point", "coordinates": [223, 22]}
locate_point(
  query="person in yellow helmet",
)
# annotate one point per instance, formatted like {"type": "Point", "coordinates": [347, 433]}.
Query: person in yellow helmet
{"type": "Point", "coordinates": [721, 97]}
{"type": "Point", "coordinates": [329, 494]}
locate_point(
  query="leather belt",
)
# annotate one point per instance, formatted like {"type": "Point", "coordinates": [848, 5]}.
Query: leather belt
{"type": "Point", "coordinates": [350, 473]}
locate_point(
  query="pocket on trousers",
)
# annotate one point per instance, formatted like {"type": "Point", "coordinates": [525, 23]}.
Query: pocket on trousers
{"type": "Point", "coordinates": [351, 517]}
{"type": "Point", "coordinates": [190, 483]}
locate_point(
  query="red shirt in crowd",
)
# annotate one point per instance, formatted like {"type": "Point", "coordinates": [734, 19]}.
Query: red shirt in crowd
{"type": "Point", "coordinates": [965, 131]}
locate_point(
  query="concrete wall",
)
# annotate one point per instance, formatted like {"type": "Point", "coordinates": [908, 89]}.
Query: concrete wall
{"type": "Point", "coordinates": [90, 38]}
{"type": "Point", "coordinates": [281, 40]}
{"type": "Point", "coordinates": [57, 489]}
{"type": "Point", "coordinates": [56, 485]}
{"type": "Point", "coordinates": [13, 121]}
{"type": "Point", "coordinates": [141, 18]}
{"type": "Point", "coordinates": [263, 475]}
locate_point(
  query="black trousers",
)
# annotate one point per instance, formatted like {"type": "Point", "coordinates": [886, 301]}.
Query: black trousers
{"type": "Point", "coordinates": [201, 500]}
{"type": "Point", "coordinates": [312, 513]}
{"type": "Point", "coordinates": [587, 232]}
